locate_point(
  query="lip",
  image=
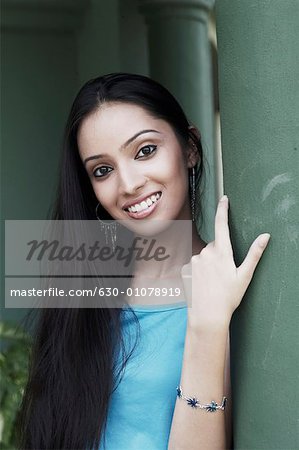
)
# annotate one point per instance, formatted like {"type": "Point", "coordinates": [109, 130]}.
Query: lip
{"type": "Point", "coordinates": [139, 200]}
{"type": "Point", "coordinates": [146, 212]}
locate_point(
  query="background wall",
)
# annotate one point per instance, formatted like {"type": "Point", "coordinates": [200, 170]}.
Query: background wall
{"type": "Point", "coordinates": [38, 53]}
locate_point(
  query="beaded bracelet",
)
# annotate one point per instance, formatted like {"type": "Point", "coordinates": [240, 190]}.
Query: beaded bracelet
{"type": "Point", "coordinates": [194, 403]}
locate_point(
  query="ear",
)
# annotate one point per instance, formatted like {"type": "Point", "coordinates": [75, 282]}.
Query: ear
{"type": "Point", "coordinates": [194, 132]}
{"type": "Point", "coordinates": [193, 154]}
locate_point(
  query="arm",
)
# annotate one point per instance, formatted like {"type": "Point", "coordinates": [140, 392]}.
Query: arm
{"type": "Point", "coordinates": [202, 372]}
{"type": "Point", "coordinates": [218, 287]}
{"type": "Point", "coordinates": [228, 394]}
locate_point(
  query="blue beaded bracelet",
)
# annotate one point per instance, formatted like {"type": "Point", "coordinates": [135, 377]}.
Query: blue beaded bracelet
{"type": "Point", "coordinates": [194, 403]}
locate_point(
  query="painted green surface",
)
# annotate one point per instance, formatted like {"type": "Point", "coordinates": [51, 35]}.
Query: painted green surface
{"type": "Point", "coordinates": [38, 76]}
{"type": "Point", "coordinates": [111, 38]}
{"type": "Point", "coordinates": [98, 40]}
{"type": "Point", "coordinates": [258, 45]}
{"type": "Point", "coordinates": [134, 56]}
{"type": "Point", "coordinates": [180, 58]}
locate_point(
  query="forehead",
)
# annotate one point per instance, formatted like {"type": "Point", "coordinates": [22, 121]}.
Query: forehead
{"type": "Point", "coordinates": [114, 123]}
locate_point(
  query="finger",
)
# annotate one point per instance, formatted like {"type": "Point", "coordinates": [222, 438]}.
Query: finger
{"type": "Point", "coordinates": [222, 237]}
{"type": "Point", "coordinates": [247, 268]}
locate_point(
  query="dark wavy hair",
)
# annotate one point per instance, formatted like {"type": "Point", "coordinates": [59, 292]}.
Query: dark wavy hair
{"type": "Point", "coordinates": [72, 372]}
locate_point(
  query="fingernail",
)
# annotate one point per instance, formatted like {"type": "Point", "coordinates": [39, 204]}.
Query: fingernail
{"type": "Point", "coordinates": [224, 198]}
{"type": "Point", "coordinates": [263, 240]}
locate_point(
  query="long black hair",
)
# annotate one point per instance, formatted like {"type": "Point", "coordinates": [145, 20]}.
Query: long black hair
{"type": "Point", "coordinates": [72, 372]}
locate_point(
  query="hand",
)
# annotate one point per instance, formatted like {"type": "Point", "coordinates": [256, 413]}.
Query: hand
{"type": "Point", "coordinates": [218, 286]}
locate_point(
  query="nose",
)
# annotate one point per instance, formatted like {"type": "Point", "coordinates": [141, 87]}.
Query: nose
{"type": "Point", "coordinates": [130, 180]}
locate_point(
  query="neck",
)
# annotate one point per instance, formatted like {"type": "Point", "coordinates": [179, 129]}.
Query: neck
{"type": "Point", "coordinates": [179, 244]}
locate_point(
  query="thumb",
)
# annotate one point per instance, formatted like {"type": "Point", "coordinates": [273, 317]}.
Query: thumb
{"type": "Point", "coordinates": [247, 268]}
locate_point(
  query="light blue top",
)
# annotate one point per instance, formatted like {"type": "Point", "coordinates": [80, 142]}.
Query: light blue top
{"type": "Point", "coordinates": [142, 406]}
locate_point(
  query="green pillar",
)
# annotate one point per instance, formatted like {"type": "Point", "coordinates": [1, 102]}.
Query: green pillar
{"type": "Point", "coordinates": [38, 82]}
{"type": "Point", "coordinates": [180, 58]}
{"type": "Point", "coordinates": [258, 43]}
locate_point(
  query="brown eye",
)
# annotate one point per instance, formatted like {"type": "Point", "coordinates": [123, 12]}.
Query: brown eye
{"type": "Point", "coordinates": [101, 171]}
{"type": "Point", "coordinates": [147, 150]}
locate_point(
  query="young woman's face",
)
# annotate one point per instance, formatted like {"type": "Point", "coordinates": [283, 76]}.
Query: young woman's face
{"type": "Point", "coordinates": [136, 164]}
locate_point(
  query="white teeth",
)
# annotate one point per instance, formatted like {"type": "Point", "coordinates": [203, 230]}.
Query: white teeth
{"type": "Point", "coordinates": [145, 203]}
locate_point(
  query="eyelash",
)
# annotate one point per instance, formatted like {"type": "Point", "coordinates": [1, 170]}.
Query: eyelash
{"type": "Point", "coordinates": [153, 147]}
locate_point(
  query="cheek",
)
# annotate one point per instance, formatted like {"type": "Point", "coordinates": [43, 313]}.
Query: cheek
{"type": "Point", "coordinates": [176, 174]}
{"type": "Point", "coordinates": [172, 162]}
{"type": "Point", "coordinates": [104, 193]}
{"type": "Point", "coordinates": [179, 187]}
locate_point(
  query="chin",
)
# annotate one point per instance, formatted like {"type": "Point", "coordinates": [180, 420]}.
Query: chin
{"type": "Point", "coordinates": [147, 227]}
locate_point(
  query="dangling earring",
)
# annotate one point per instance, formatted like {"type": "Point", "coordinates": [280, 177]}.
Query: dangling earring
{"type": "Point", "coordinates": [192, 186]}
{"type": "Point", "coordinates": [109, 229]}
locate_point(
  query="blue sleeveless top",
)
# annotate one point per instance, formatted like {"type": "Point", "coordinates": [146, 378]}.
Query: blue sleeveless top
{"type": "Point", "coordinates": [141, 408]}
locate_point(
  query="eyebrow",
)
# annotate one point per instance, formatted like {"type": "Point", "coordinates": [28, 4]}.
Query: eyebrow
{"type": "Point", "coordinates": [129, 141]}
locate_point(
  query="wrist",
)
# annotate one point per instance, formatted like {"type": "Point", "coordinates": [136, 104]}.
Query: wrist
{"type": "Point", "coordinates": [206, 349]}
{"type": "Point", "coordinates": [215, 327]}
{"type": "Point", "coordinates": [210, 342]}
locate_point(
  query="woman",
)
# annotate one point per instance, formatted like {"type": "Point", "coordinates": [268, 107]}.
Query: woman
{"type": "Point", "coordinates": [130, 154]}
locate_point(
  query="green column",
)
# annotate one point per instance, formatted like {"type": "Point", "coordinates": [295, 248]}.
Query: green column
{"type": "Point", "coordinates": [258, 43]}
{"type": "Point", "coordinates": [180, 58]}
{"type": "Point", "coordinates": [38, 82]}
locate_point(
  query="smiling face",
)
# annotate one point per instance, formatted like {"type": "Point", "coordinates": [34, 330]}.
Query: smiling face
{"type": "Point", "coordinates": [136, 164]}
